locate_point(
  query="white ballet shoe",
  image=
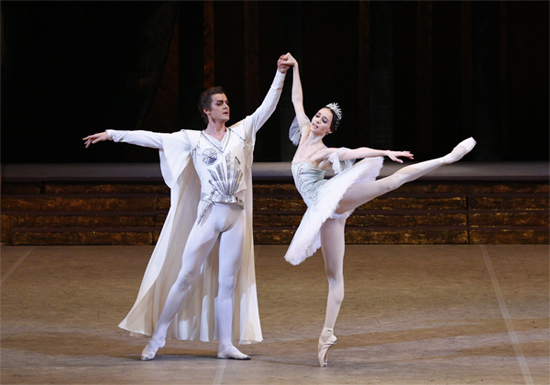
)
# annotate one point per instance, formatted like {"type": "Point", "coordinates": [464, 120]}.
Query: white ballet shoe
{"type": "Point", "coordinates": [459, 151]}
{"type": "Point", "coordinates": [150, 350]}
{"type": "Point", "coordinates": [326, 341]}
{"type": "Point", "coordinates": [231, 352]}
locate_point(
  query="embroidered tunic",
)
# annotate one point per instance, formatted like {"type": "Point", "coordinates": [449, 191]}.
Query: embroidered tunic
{"type": "Point", "coordinates": [220, 166]}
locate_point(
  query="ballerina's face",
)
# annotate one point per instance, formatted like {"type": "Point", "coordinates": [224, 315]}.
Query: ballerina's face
{"type": "Point", "coordinates": [321, 122]}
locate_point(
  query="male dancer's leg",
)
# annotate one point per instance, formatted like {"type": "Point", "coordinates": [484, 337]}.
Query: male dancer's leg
{"type": "Point", "coordinates": [200, 242]}
{"type": "Point", "coordinates": [231, 257]}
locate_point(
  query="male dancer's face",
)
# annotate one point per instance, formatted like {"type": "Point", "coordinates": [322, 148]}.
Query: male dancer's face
{"type": "Point", "coordinates": [219, 108]}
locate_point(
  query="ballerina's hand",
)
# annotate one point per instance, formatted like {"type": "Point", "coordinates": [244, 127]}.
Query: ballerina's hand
{"type": "Point", "coordinates": [288, 59]}
{"type": "Point", "coordinates": [282, 65]}
{"type": "Point", "coordinates": [394, 155]}
{"type": "Point", "coordinates": [93, 139]}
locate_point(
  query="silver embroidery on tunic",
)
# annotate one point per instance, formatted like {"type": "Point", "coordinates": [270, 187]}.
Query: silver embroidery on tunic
{"type": "Point", "coordinates": [224, 182]}
{"type": "Point", "coordinates": [220, 146]}
{"type": "Point", "coordinates": [209, 156]}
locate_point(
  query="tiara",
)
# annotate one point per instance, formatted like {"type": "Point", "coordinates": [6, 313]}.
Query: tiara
{"type": "Point", "coordinates": [334, 107]}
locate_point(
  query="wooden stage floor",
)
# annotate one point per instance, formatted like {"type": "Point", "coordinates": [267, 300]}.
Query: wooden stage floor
{"type": "Point", "coordinates": [431, 314]}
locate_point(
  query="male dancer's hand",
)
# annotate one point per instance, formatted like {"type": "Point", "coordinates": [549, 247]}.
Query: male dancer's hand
{"type": "Point", "coordinates": [93, 139]}
{"type": "Point", "coordinates": [281, 65]}
{"type": "Point", "coordinates": [288, 60]}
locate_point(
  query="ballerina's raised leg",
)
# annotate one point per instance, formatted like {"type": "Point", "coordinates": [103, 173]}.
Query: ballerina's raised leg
{"type": "Point", "coordinates": [333, 239]}
{"type": "Point", "coordinates": [361, 193]}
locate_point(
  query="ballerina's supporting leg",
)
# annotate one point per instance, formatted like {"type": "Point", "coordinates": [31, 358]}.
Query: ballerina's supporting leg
{"type": "Point", "coordinates": [361, 193]}
{"type": "Point", "coordinates": [333, 247]}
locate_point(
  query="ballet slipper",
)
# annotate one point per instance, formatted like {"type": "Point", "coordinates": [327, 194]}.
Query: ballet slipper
{"type": "Point", "coordinates": [326, 341]}
{"type": "Point", "coordinates": [151, 349]}
{"type": "Point", "coordinates": [231, 352]}
{"type": "Point", "coordinates": [459, 151]}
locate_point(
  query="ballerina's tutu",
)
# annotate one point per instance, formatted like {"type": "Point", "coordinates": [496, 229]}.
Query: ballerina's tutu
{"type": "Point", "coordinates": [324, 203]}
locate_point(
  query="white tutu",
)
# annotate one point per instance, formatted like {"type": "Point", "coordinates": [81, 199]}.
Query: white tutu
{"type": "Point", "coordinates": [307, 238]}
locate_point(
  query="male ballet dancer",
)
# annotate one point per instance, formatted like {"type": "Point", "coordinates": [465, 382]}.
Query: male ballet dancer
{"type": "Point", "coordinates": [200, 281]}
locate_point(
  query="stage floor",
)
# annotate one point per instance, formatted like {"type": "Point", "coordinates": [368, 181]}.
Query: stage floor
{"type": "Point", "coordinates": [453, 314]}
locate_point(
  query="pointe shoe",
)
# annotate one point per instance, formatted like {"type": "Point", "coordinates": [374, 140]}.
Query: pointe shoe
{"type": "Point", "coordinates": [460, 150]}
{"type": "Point", "coordinates": [232, 353]}
{"type": "Point", "coordinates": [326, 341]}
{"type": "Point", "coordinates": [150, 350]}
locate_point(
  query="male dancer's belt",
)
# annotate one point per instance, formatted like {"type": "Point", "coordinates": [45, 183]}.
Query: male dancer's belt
{"type": "Point", "coordinates": [217, 197]}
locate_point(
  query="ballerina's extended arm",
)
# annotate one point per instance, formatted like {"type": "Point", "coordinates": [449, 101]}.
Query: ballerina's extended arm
{"type": "Point", "coordinates": [365, 152]}
{"type": "Point", "coordinates": [297, 96]}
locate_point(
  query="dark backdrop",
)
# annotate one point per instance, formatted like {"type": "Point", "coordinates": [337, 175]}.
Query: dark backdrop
{"type": "Point", "coordinates": [409, 75]}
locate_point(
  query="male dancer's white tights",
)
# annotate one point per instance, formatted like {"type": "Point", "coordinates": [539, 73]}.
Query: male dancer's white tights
{"type": "Point", "coordinates": [332, 231]}
{"type": "Point", "coordinates": [223, 221]}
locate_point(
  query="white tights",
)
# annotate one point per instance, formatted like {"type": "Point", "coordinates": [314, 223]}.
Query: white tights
{"type": "Point", "coordinates": [332, 231]}
{"type": "Point", "coordinates": [223, 221]}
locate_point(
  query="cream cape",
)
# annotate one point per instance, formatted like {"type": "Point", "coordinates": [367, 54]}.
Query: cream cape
{"type": "Point", "coordinates": [196, 318]}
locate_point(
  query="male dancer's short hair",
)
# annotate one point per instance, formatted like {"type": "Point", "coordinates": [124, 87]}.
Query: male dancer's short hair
{"type": "Point", "coordinates": [205, 100]}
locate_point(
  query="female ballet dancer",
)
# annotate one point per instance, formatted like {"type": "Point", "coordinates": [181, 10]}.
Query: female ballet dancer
{"type": "Point", "coordinates": [330, 202]}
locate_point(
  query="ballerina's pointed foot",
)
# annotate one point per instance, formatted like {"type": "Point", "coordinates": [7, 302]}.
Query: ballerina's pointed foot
{"type": "Point", "coordinates": [326, 341]}
{"type": "Point", "coordinates": [150, 350]}
{"type": "Point", "coordinates": [460, 150]}
{"type": "Point", "coordinates": [232, 353]}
